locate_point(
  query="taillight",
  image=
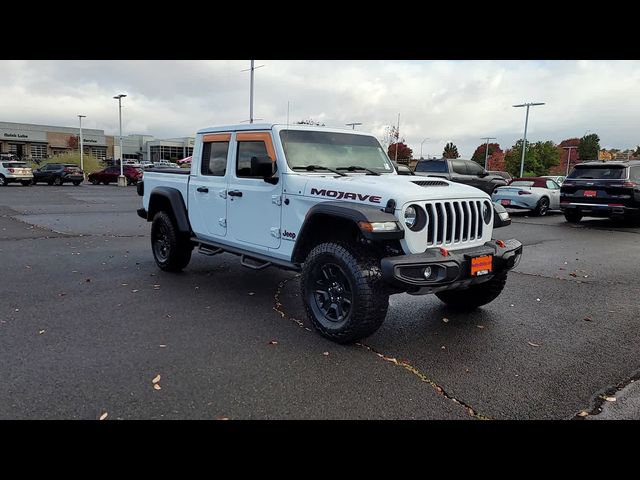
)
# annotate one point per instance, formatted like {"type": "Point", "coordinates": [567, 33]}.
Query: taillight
{"type": "Point", "coordinates": [68, 170]}
{"type": "Point", "coordinates": [11, 170]}
{"type": "Point", "coordinates": [524, 192]}
{"type": "Point", "coordinates": [629, 184]}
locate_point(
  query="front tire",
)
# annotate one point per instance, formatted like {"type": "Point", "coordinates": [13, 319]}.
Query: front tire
{"type": "Point", "coordinates": [468, 299]}
{"type": "Point", "coordinates": [542, 207]}
{"type": "Point", "coordinates": [57, 181]}
{"type": "Point", "coordinates": [26, 183]}
{"type": "Point", "coordinates": [171, 250]}
{"type": "Point", "coordinates": [572, 217]}
{"type": "Point", "coordinates": [94, 181]}
{"type": "Point", "coordinates": [343, 292]}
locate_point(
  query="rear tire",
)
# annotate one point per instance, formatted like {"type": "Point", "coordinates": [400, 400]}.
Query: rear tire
{"type": "Point", "coordinates": [26, 183]}
{"type": "Point", "coordinates": [343, 292]}
{"type": "Point", "coordinates": [475, 296]}
{"type": "Point", "coordinates": [171, 250]}
{"type": "Point", "coordinates": [572, 217]}
{"type": "Point", "coordinates": [106, 182]}
{"type": "Point", "coordinates": [76, 183]}
{"type": "Point", "coordinates": [542, 207]}
{"type": "Point", "coordinates": [94, 181]}
{"type": "Point", "coordinates": [57, 181]}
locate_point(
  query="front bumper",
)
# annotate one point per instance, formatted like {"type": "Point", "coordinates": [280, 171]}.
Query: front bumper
{"type": "Point", "coordinates": [448, 272]}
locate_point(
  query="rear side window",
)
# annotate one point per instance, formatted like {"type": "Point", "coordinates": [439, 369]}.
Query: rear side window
{"type": "Point", "coordinates": [431, 166]}
{"type": "Point", "coordinates": [247, 150]}
{"type": "Point", "coordinates": [634, 174]}
{"type": "Point", "coordinates": [459, 166]}
{"type": "Point", "coordinates": [214, 158]}
{"type": "Point", "coordinates": [599, 173]}
{"type": "Point", "coordinates": [473, 168]}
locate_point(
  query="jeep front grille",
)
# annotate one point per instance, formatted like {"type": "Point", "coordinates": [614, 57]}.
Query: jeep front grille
{"type": "Point", "coordinates": [450, 222]}
{"type": "Point", "coordinates": [431, 183]}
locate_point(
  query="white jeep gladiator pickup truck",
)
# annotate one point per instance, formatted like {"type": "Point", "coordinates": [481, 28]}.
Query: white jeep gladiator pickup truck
{"type": "Point", "coordinates": [329, 204]}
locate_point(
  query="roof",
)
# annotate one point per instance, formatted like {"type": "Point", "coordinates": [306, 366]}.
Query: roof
{"type": "Point", "coordinates": [616, 163]}
{"type": "Point", "coordinates": [243, 127]}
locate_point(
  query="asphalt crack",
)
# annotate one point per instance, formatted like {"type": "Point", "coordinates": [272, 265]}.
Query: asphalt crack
{"type": "Point", "coordinates": [600, 398]}
{"type": "Point", "coordinates": [278, 308]}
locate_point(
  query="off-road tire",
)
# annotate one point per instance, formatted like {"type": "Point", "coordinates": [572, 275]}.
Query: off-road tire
{"type": "Point", "coordinates": [368, 293]}
{"type": "Point", "coordinates": [171, 249]}
{"type": "Point", "coordinates": [542, 208]}
{"type": "Point", "coordinates": [468, 299]}
{"type": "Point", "coordinates": [572, 217]}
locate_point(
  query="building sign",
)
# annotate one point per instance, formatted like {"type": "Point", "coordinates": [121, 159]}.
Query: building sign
{"type": "Point", "coordinates": [93, 140]}
{"type": "Point", "coordinates": [8, 135]}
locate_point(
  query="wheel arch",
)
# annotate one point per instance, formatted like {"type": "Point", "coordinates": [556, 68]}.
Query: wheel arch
{"type": "Point", "coordinates": [169, 200]}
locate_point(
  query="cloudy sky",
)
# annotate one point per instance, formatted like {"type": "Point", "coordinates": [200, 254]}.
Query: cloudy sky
{"type": "Point", "coordinates": [459, 101]}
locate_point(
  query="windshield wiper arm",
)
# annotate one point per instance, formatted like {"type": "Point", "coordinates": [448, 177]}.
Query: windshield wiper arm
{"type": "Point", "coordinates": [353, 168]}
{"type": "Point", "coordinates": [312, 168]}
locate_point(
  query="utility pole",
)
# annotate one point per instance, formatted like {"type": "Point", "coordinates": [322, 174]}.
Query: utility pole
{"type": "Point", "coordinates": [568, 158]}
{"type": "Point", "coordinates": [486, 152]}
{"type": "Point", "coordinates": [81, 145]}
{"type": "Point", "coordinates": [524, 142]}
{"type": "Point", "coordinates": [353, 125]}
{"type": "Point", "coordinates": [397, 138]}
{"type": "Point", "coordinates": [251, 89]}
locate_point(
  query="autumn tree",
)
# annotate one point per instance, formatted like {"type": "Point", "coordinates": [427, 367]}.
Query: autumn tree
{"type": "Point", "coordinates": [73, 141]}
{"type": "Point", "coordinates": [479, 155]}
{"type": "Point", "coordinates": [589, 147]}
{"type": "Point", "coordinates": [310, 121]}
{"type": "Point", "coordinates": [539, 158]}
{"type": "Point", "coordinates": [450, 151]}
{"type": "Point", "coordinates": [404, 152]}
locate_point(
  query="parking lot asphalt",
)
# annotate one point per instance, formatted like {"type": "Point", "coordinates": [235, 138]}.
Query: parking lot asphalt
{"type": "Point", "coordinates": [87, 322]}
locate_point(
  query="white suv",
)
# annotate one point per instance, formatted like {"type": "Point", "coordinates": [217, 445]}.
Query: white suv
{"type": "Point", "coordinates": [15, 171]}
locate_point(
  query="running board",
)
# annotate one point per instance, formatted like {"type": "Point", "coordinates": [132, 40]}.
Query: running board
{"type": "Point", "coordinates": [209, 252]}
{"type": "Point", "coordinates": [244, 263]}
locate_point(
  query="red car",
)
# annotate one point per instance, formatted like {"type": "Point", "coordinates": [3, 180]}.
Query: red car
{"type": "Point", "coordinates": [111, 174]}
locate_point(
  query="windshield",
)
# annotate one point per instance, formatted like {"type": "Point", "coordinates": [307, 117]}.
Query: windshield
{"type": "Point", "coordinates": [604, 172]}
{"type": "Point", "coordinates": [14, 165]}
{"type": "Point", "coordinates": [333, 150]}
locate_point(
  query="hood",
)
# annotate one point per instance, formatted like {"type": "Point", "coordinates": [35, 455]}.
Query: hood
{"type": "Point", "coordinates": [371, 189]}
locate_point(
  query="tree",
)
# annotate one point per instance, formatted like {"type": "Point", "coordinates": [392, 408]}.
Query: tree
{"type": "Point", "coordinates": [450, 151]}
{"type": "Point", "coordinates": [73, 142]}
{"type": "Point", "coordinates": [391, 135]}
{"type": "Point", "coordinates": [310, 121]}
{"type": "Point", "coordinates": [404, 152]}
{"type": "Point", "coordinates": [479, 154]}
{"type": "Point", "coordinates": [539, 158]}
{"type": "Point", "coordinates": [637, 152]}
{"type": "Point", "coordinates": [589, 147]}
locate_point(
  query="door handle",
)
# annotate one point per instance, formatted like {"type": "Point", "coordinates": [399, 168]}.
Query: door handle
{"type": "Point", "coordinates": [202, 189]}
{"type": "Point", "coordinates": [235, 193]}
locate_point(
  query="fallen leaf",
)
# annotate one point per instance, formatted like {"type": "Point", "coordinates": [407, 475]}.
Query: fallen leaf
{"type": "Point", "coordinates": [27, 266]}
{"type": "Point", "coordinates": [443, 347]}
{"type": "Point", "coordinates": [326, 354]}
{"type": "Point", "coordinates": [566, 263]}
{"type": "Point", "coordinates": [537, 299]}
{"type": "Point", "coordinates": [586, 276]}
{"type": "Point", "coordinates": [533, 344]}
{"type": "Point", "coordinates": [251, 293]}
{"type": "Point", "coordinates": [88, 280]}
{"type": "Point", "coordinates": [125, 284]}
{"type": "Point", "coordinates": [169, 315]}
{"type": "Point", "coordinates": [134, 290]}
{"type": "Point", "coordinates": [157, 386]}
{"type": "Point", "coordinates": [512, 305]}
{"type": "Point", "coordinates": [41, 331]}
{"type": "Point", "coordinates": [222, 418]}
{"type": "Point", "coordinates": [467, 370]}
{"type": "Point", "coordinates": [156, 286]}
{"type": "Point", "coordinates": [480, 326]}
{"type": "Point", "coordinates": [61, 294]}
{"type": "Point", "coordinates": [587, 319]}
{"type": "Point", "coordinates": [445, 320]}
{"type": "Point", "coordinates": [17, 309]}
{"type": "Point", "coordinates": [583, 413]}
{"type": "Point", "coordinates": [156, 379]}
{"type": "Point", "coordinates": [104, 415]}
{"type": "Point", "coordinates": [573, 274]}
{"type": "Point", "coordinates": [162, 346]}
{"type": "Point", "coordinates": [273, 342]}
{"type": "Point", "coordinates": [610, 399]}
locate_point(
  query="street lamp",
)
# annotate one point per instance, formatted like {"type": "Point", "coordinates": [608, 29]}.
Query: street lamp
{"type": "Point", "coordinates": [122, 181]}
{"type": "Point", "coordinates": [421, 143]}
{"type": "Point", "coordinates": [81, 145]}
{"type": "Point", "coordinates": [353, 125]}
{"type": "Point", "coordinates": [486, 152]}
{"type": "Point", "coordinates": [568, 158]}
{"type": "Point", "coordinates": [524, 142]}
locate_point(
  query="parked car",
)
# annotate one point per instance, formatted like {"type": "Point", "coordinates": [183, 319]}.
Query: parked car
{"type": "Point", "coordinates": [506, 175]}
{"type": "Point", "coordinates": [559, 179]}
{"type": "Point", "coordinates": [58, 174]}
{"type": "Point", "coordinates": [602, 189]}
{"type": "Point", "coordinates": [460, 171]}
{"type": "Point", "coordinates": [110, 175]}
{"type": "Point", "coordinates": [13, 171]}
{"type": "Point", "coordinates": [532, 193]}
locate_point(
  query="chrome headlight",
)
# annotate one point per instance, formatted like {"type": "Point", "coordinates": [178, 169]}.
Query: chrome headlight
{"type": "Point", "coordinates": [487, 212]}
{"type": "Point", "coordinates": [410, 216]}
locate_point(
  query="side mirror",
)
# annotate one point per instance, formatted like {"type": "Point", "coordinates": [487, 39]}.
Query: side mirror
{"type": "Point", "coordinates": [263, 167]}
{"type": "Point", "coordinates": [501, 217]}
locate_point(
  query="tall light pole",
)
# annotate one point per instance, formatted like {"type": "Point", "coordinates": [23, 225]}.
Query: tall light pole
{"type": "Point", "coordinates": [122, 181]}
{"type": "Point", "coordinates": [568, 158]}
{"type": "Point", "coordinates": [524, 142]}
{"type": "Point", "coordinates": [81, 144]}
{"type": "Point", "coordinates": [486, 152]}
{"type": "Point", "coordinates": [353, 125]}
{"type": "Point", "coordinates": [422, 143]}
{"type": "Point", "coordinates": [251, 89]}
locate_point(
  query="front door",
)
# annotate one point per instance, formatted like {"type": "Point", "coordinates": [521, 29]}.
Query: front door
{"type": "Point", "coordinates": [554, 193]}
{"type": "Point", "coordinates": [208, 187]}
{"type": "Point", "coordinates": [253, 205]}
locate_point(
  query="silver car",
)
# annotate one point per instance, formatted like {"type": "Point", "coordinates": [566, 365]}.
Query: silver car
{"type": "Point", "coordinates": [538, 194]}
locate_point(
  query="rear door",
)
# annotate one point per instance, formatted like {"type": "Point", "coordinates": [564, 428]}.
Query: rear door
{"type": "Point", "coordinates": [253, 205]}
{"type": "Point", "coordinates": [597, 185]}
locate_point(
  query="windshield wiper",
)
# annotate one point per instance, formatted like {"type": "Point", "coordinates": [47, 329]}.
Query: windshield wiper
{"type": "Point", "coordinates": [312, 168]}
{"type": "Point", "coordinates": [353, 168]}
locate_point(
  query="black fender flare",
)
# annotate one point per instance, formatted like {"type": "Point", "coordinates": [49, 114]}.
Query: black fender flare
{"type": "Point", "coordinates": [353, 212]}
{"type": "Point", "coordinates": [160, 195]}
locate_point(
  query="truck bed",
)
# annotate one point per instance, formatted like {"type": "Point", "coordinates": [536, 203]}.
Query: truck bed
{"type": "Point", "coordinates": [166, 177]}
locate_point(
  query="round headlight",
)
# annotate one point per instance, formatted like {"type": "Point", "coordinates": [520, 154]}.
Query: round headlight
{"type": "Point", "coordinates": [410, 216]}
{"type": "Point", "coordinates": [487, 212]}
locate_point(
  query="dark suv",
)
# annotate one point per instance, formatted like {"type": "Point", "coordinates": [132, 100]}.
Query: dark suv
{"type": "Point", "coordinates": [601, 189]}
{"type": "Point", "coordinates": [58, 173]}
{"type": "Point", "coordinates": [461, 171]}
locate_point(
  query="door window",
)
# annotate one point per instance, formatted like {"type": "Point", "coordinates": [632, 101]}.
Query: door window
{"type": "Point", "coordinates": [551, 185]}
{"type": "Point", "coordinates": [214, 158]}
{"type": "Point", "coordinates": [247, 150]}
{"type": "Point", "coordinates": [473, 168]}
{"type": "Point", "coordinates": [459, 167]}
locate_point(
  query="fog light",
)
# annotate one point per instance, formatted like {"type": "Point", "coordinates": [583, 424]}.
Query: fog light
{"type": "Point", "coordinates": [427, 273]}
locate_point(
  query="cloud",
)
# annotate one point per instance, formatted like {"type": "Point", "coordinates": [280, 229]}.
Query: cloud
{"type": "Point", "coordinates": [459, 101]}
